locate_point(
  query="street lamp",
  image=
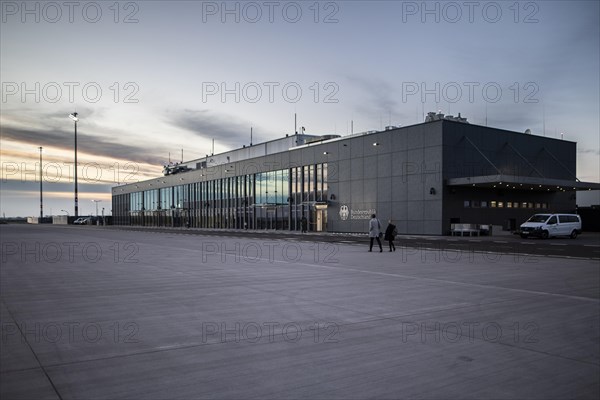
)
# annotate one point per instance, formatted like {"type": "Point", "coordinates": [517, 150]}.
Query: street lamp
{"type": "Point", "coordinates": [75, 119]}
{"type": "Point", "coordinates": [65, 211]}
{"type": "Point", "coordinates": [41, 198]}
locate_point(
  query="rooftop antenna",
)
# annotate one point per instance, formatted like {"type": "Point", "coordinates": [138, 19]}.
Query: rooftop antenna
{"type": "Point", "coordinates": [544, 117]}
{"type": "Point", "coordinates": [182, 155]}
{"type": "Point", "coordinates": [250, 136]}
{"type": "Point", "coordinates": [486, 114]}
{"type": "Point", "coordinates": [213, 147]}
{"type": "Point", "coordinates": [295, 123]}
{"type": "Point", "coordinates": [351, 126]}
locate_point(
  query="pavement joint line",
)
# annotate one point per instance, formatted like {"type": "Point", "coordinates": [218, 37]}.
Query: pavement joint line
{"type": "Point", "coordinates": [520, 254]}
{"type": "Point", "coordinates": [418, 245]}
{"type": "Point", "coordinates": [530, 349]}
{"type": "Point", "coordinates": [436, 280]}
{"type": "Point", "coordinates": [39, 363]}
{"type": "Point", "coordinates": [144, 352]}
{"type": "Point", "coordinates": [377, 318]}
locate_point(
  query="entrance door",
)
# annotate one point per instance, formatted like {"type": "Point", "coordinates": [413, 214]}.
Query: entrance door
{"type": "Point", "coordinates": [319, 221]}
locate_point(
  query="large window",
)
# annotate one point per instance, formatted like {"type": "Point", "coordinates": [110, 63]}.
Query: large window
{"type": "Point", "coordinates": [264, 200]}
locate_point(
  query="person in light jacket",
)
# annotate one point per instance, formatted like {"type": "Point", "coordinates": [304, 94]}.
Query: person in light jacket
{"type": "Point", "coordinates": [374, 231]}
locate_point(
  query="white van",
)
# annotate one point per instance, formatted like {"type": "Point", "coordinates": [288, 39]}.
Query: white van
{"type": "Point", "coordinates": [547, 225]}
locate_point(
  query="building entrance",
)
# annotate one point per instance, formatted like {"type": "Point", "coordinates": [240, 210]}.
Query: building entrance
{"type": "Point", "coordinates": [320, 217]}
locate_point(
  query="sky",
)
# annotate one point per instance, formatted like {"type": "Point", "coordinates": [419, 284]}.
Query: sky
{"type": "Point", "coordinates": [151, 80]}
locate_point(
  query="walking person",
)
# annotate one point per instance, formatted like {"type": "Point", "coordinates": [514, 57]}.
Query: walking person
{"type": "Point", "coordinates": [390, 235]}
{"type": "Point", "coordinates": [304, 223]}
{"type": "Point", "coordinates": [375, 232]}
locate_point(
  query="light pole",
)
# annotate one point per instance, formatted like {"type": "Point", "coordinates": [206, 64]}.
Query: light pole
{"type": "Point", "coordinates": [41, 198]}
{"type": "Point", "coordinates": [75, 119]}
{"type": "Point", "coordinates": [65, 211]}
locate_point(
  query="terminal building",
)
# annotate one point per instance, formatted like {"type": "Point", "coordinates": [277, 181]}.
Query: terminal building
{"type": "Point", "coordinates": [424, 177]}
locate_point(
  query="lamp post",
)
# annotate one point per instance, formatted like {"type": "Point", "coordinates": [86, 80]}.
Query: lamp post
{"type": "Point", "coordinates": [75, 119]}
{"type": "Point", "coordinates": [41, 198]}
{"type": "Point", "coordinates": [65, 211]}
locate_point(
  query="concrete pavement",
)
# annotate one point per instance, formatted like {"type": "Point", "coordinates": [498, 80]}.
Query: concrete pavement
{"type": "Point", "coordinates": [586, 246]}
{"type": "Point", "coordinates": [89, 312]}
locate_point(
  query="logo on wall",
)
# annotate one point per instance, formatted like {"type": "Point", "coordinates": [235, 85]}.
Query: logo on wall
{"type": "Point", "coordinates": [348, 213]}
{"type": "Point", "coordinates": [344, 212]}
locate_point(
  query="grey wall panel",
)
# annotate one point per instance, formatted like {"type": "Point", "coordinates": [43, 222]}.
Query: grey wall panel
{"type": "Point", "coordinates": [384, 189]}
{"type": "Point", "coordinates": [416, 188]}
{"type": "Point", "coordinates": [415, 211]}
{"type": "Point", "coordinates": [399, 189]}
{"type": "Point", "coordinates": [357, 168]}
{"type": "Point", "coordinates": [384, 213]}
{"type": "Point", "coordinates": [370, 167]}
{"type": "Point", "coordinates": [402, 229]}
{"type": "Point", "coordinates": [356, 147]}
{"type": "Point", "coordinates": [399, 140]}
{"type": "Point", "coordinates": [384, 165]}
{"type": "Point", "coordinates": [415, 227]}
{"type": "Point", "coordinates": [370, 191]}
{"type": "Point", "coordinates": [344, 171]}
{"type": "Point", "coordinates": [432, 210]}
{"type": "Point", "coordinates": [399, 210]}
{"type": "Point", "coordinates": [415, 140]}
{"type": "Point", "coordinates": [308, 155]}
{"type": "Point", "coordinates": [344, 150]}
{"type": "Point", "coordinates": [432, 228]}
{"type": "Point", "coordinates": [357, 189]}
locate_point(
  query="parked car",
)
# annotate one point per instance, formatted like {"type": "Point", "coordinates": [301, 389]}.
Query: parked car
{"type": "Point", "coordinates": [548, 225]}
{"type": "Point", "coordinates": [83, 221]}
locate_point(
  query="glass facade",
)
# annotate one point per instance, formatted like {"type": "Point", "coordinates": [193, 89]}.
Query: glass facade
{"type": "Point", "coordinates": [266, 200]}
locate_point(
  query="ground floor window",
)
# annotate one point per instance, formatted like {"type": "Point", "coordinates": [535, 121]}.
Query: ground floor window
{"type": "Point", "coordinates": [502, 204]}
{"type": "Point", "coordinates": [276, 200]}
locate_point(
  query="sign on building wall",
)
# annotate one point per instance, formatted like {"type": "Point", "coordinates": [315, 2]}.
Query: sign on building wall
{"type": "Point", "coordinates": [351, 213]}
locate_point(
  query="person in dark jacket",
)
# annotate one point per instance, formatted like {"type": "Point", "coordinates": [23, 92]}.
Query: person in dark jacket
{"type": "Point", "coordinates": [304, 223]}
{"type": "Point", "coordinates": [390, 235]}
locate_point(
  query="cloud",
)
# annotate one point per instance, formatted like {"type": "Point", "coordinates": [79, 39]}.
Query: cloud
{"type": "Point", "coordinates": [57, 188]}
{"type": "Point", "coordinates": [594, 152]}
{"type": "Point", "coordinates": [86, 143]}
{"type": "Point", "coordinates": [209, 125]}
{"type": "Point", "coordinates": [377, 93]}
